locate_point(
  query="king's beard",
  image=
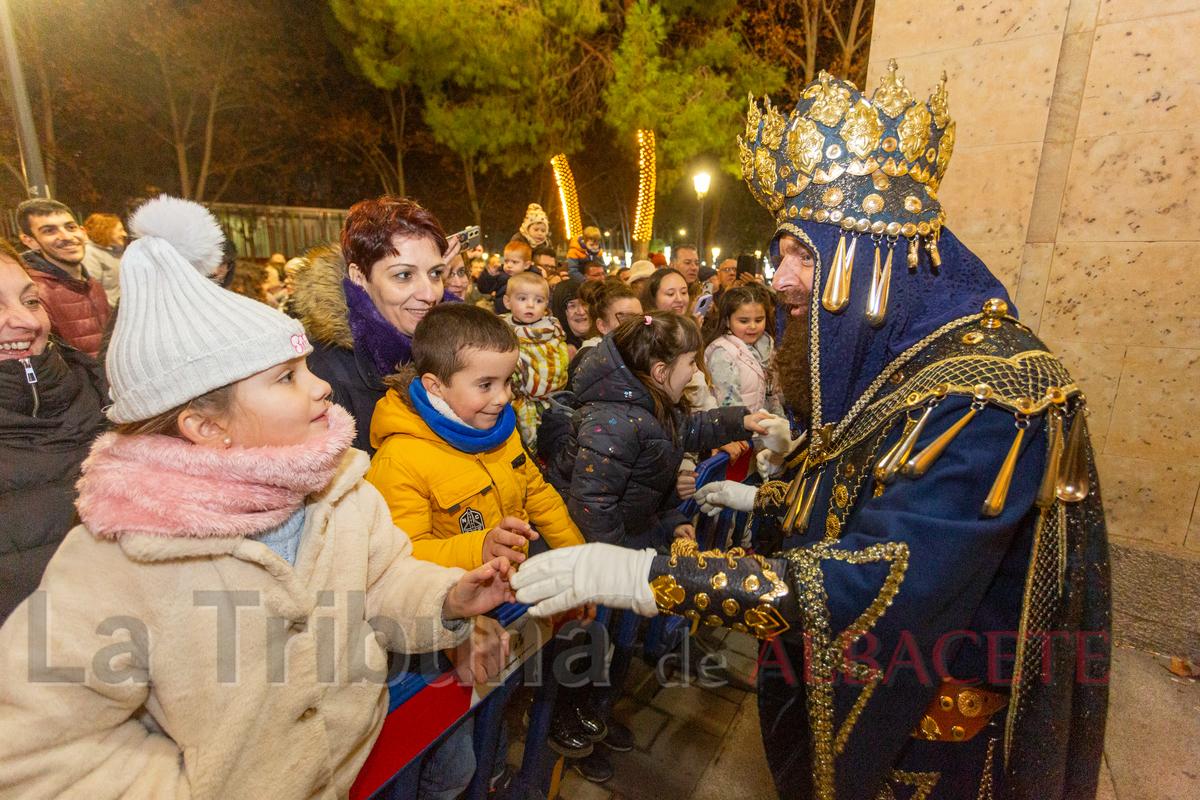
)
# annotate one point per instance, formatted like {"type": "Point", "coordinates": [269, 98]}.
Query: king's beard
{"type": "Point", "coordinates": [793, 366]}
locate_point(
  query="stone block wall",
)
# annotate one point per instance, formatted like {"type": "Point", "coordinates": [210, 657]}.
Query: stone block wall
{"type": "Point", "coordinates": [1074, 179]}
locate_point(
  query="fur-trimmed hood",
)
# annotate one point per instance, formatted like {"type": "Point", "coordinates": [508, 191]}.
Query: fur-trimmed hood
{"type": "Point", "coordinates": [319, 301]}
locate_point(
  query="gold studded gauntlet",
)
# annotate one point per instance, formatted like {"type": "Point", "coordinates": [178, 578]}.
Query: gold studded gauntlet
{"type": "Point", "coordinates": [730, 590]}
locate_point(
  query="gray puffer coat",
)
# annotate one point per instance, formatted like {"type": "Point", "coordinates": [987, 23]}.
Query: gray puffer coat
{"type": "Point", "coordinates": [618, 468]}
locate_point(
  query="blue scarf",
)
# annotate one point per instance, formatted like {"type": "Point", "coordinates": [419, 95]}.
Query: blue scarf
{"type": "Point", "coordinates": [462, 437]}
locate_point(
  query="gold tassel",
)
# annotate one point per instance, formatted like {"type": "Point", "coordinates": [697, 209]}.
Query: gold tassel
{"type": "Point", "coordinates": [806, 513]}
{"type": "Point", "coordinates": [912, 254]}
{"type": "Point", "coordinates": [877, 301]}
{"type": "Point", "coordinates": [1073, 479]}
{"type": "Point", "coordinates": [919, 464]}
{"type": "Point", "coordinates": [1047, 492]}
{"type": "Point", "coordinates": [994, 503]}
{"type": "Point", "coordinates": [837, 289]}
{"type": "Point", "coordinates": [931, 245]}
{"type": "Point", "coordinates": [795, 499]}
{"type": "Point", "coordinates": [889, 466]}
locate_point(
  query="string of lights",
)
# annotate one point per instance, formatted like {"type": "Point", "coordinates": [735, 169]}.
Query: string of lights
{"type": "Point", "coordinates": [644, 225]}
{"type": "Point", "coordinates": [566, 192]}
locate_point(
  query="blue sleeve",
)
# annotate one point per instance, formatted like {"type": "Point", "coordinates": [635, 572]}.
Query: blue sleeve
{"type": "Point", "coordinates": [573, 265]}
{"type": "Point", "coordinates": [488, 283]}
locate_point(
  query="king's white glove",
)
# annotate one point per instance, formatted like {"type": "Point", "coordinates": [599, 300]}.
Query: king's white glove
{"type": "Point", "coordinates": [588, 573]}
{"type": "Point", "coordinates": [778, 438]}
{"type": "Point", "coordinates": [717, 496]}
{"type": "Point", "coordinates": [770, 463]}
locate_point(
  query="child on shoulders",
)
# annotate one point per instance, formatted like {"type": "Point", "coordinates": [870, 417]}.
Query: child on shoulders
{"type": "Point", "coordinates": [585, 248]}
{"type": "Point", "coordinates": [544, 357]}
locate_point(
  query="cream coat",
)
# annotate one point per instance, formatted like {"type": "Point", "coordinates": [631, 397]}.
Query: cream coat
{"type": "Point", "coordinates": [208, 723]}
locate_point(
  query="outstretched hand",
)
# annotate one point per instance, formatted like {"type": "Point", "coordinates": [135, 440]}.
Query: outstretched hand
{"type": "Point", "coordinates": [753, 422]}
{"type": "Point", "coordinates": [587, 573]}
{"type": "Point", "coordinates": [483, 654]}
{"type": "Point", "coordinates": [480, 590]}
{"type": "Point", "coordinates": [504, 539]}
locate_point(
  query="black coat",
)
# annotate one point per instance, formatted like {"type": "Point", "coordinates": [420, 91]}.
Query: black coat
{"type": "Point", "coordinates": [39, 460]}
{"type": "Point", "coordinates": [618, 468]}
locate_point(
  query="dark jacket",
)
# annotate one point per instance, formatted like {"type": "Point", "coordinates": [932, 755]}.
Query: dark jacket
{"type": "Point", "coordinates": [618, 468]}
{"type": "Point", "coordinates": [78, 309]}
{"type": "Point", "coordinates": [320, 304]}
{"type": "Point", "coordinates": [40, 454]}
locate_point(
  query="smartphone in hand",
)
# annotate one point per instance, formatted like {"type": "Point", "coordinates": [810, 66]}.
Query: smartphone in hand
{"type": "Point", "coordinates": [703, 304]}
{"type": "Point", "coordinates": [469, 238]}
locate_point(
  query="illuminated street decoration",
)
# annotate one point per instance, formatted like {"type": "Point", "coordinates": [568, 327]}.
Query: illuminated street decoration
{"type": "Point", "coordinates": [644, 224]}
{"type": "Point", "coordinates": [566, 192]}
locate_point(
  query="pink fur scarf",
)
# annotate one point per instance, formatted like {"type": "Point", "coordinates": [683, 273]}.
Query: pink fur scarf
{"type": "Point", "coordinates": [163, 486]}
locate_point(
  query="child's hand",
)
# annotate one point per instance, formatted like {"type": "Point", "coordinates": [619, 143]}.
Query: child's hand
{"type": "Point", "coordinates": [502, 540]}
{"type": "Point", "coordinates": [685, 484]}
{"type": "Point", "coordinates": [479, 590]}
{"type": "Point", "coordinates": [753, 422]}
{"type": "Point", "coordinates": [735, 449]}
{"type": "Point", "coordinates": [686, 531]}
{"type": "Point", "coordinates": [484, 654]}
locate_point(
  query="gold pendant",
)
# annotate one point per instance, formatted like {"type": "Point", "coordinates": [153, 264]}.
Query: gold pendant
{"type": "Point", "coordinates": [837, 291]}
{"type": "Point", "coordinates": [1073, 480]}
{"type": "Point", "coordinates": [887, 469]}
{"type": "Point", "coordinates": [877, 300]}
{"type": "Point", "coordinates": [795, 501]}
{"type": "Point", "coordinates": [809, 502]}
{"type": "Point", "coordinates": [994, 503]}
{"type": "Point", "coordinates": [1047, 492]}
{"type": "Point", "coordinates": [934, 255]}
{"type": "Point", "coordinates": [912, 254]}
{"type": "Point", "coordinates": [919, 464]}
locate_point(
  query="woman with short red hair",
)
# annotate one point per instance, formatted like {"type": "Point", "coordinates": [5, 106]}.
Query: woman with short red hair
{"type": "Point", "coordinates": [360, 303]}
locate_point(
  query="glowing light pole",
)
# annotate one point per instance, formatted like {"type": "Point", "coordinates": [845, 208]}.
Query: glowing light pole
{"type": "Point", "coordinates": [701, 180]}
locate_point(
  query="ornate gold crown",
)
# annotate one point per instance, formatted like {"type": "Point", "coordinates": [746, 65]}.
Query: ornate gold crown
{"type": "Point", "coordinates": [867, 166]}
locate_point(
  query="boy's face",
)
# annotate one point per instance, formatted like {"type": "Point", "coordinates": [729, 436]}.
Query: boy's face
{"type": "Point", "coordinates": [514, 262]}
{"type": "Point", "coordinates": [479, 391]}
{"type": "Point", "coordinates": [592, 244]}
{"type": "Point", "coordinates": [527, 303]}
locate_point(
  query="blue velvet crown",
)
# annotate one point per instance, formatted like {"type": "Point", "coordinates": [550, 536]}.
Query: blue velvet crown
{"type": "Point", "coordinates": [868, 166]}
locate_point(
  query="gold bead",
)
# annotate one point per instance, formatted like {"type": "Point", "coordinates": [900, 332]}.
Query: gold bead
{"type": "Point", "coordinates": [751, 583]}
{"type": "Point", "coordinates": [713, 621]}
{"type": "Point", "coordinates": [701, 601]}
{"type": "Point", "coordinates": [893, 229]}
{"type": "Point", "coordinates": [957, 733]}
{"type": "Point", "coordinates": [720, 581]}
{"type": "Point", "coordinates": [740, 628]}
{"type": "Point", "coordinates": [946, 703]}
{"type": "Point", "coordinates": [994, 311]}
{"type": "Point", "coordinates": [730, 607]}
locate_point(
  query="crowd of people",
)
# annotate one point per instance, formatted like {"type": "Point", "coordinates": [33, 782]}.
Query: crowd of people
{"type": "Point", "coordinates": [429, 373]}
{"type": "Point", "coordinates": [234, 499]}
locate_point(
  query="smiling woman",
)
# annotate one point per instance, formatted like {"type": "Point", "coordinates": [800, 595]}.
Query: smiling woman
{"type": "Point", "coordinates": [361, 303]}
{"type": "Point", "coordinates": [50, 411]}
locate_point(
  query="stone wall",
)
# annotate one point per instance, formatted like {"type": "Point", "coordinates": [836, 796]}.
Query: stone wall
{"type": "Point", "coordinates": [1073, 179]}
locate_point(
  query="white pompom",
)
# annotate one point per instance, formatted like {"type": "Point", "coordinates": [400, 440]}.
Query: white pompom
{"type": "Point", "coordinates": [186, 226]}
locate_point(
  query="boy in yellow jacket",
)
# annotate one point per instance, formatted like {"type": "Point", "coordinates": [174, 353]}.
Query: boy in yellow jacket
{"type": "Point", "coordinates": [449, 460]}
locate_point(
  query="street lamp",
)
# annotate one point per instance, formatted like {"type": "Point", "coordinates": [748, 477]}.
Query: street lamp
{"type": "Point", "coordinates": [683, 231]}
{"type": "Point", "coordinates": [700, 180]}
{"type": "Point", "coordinates": [716, 251]}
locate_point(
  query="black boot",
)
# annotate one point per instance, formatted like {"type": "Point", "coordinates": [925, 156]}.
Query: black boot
{"type": "Point", "coordinates": [620, 739]}
{"type": "Point", "coordinates": [590, 722]}
{"type": "Point", "coordinates": [566, 738]}
{"type": "Point", "coordinates": [595, 768]}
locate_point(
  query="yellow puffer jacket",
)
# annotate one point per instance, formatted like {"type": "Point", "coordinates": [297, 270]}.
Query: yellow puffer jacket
{"type": "Point", "coordinates": [447, 500]}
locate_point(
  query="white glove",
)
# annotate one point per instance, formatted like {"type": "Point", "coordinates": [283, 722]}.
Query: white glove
{"type": "Point", "coordinates": [587, 573]}
{"type": "Point", "coordinates": [717, 496]}
{"type": "Point", "coordinates": [778, 438]}
{"type": "Point", "coordinates": [770, 463]}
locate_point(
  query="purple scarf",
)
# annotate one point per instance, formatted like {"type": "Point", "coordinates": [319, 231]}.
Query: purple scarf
{"type": "Point", "coordinates": [380, 339]}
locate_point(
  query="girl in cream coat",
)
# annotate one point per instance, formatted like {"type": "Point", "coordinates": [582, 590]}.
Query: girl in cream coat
{"type": "Point", "coordinates": [217, 626]}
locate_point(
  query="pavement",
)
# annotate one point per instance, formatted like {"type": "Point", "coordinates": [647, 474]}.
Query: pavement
{"type": "Point", "coordinates": [696, 743]}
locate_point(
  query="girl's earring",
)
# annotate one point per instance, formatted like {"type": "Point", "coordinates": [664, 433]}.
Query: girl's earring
{"type": "Point", "coordinates": [227, 442]}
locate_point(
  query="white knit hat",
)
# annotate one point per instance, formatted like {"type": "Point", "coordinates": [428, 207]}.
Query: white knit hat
{"type": "Point", "coordinates": [178, 335]}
